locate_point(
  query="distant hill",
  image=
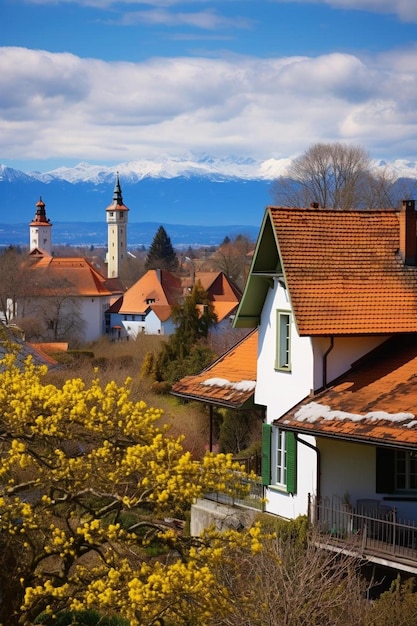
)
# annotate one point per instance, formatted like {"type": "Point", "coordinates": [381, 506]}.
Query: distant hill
{"type": "Point", "coordinates": [94, 234]}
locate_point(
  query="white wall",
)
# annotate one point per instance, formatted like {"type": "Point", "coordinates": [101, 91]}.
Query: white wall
{"type": "Point", "coordinates": [349, 467]}
{"type": "Point", "coordinates": [92, 312]}
{"type": "Point", "coordinates": [277, 390]}
{"type": "Point", "coordinates": [344, 352]}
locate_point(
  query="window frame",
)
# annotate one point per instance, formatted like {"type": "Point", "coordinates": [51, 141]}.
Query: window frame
{"type": "Point", "coordinates": [408, 457]}
{"type": "Point", "coordinates": [279, 459]}
{"type": "Point", "coordinates": [387, 460]}
{"type": "Point", "coordinates": [283, 341]}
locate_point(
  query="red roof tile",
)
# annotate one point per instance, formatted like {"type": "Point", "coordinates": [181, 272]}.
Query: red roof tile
{"type": "Point", "coordinates": [376, 402]}
{"type": "Point", "coordinates": [230, 381]}
{"type": "Point", "coordinates": [160, 286]}
{"type": "Point", "coordinates": [73, 276]}
{"type": "Point", "coordinates": [344, 271]}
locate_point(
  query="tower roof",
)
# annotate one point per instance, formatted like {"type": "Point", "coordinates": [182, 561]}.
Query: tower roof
{"type": "Point", "coordinates": [117, 203]}
{"type": "Point", "coordinates": [40, 215]}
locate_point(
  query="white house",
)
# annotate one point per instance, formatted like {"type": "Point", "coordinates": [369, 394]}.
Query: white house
{"type": "Point", "coordinates": [334, 297]}
{"type": "Point", "coordinates": [146, 307]}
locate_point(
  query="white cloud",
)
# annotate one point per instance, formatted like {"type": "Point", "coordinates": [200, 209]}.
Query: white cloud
{"type": "Point", "coordinates": [406, 10]}
{"type": "Point", "coordinates": [205, 20]}
{"type": "Point", "coordinates": [62, 106]}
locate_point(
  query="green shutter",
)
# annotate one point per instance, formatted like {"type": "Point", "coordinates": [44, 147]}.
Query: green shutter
{"type": "Point", "coordinates": [385, 470]}
{"type": "Point", "coordinates": [266, 454]}
{"type": "Point", "coordinates": [291, 445]}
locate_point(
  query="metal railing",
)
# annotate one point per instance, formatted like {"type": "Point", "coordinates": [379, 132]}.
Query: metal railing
{"type": "Point", "coordinates": [377, 532]}
{"type": "Point", "coordinates": [249, 495]}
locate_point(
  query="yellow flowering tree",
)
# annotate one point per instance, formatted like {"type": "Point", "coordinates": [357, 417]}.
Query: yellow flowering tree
{"type": "Point", "coordinates": [89, 486]}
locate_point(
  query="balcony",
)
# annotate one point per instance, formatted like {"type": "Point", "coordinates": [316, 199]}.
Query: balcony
{"type": "Point", "coordinates": [369, 530]}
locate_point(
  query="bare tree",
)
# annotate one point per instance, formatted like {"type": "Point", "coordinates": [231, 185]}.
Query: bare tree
{"type": "Point", "coordinates": [14, 282]}
{"type": "Point", "coordinates": [51, 312]}
{"type": "Point", "coordinates": [232, 258]}
{"type": "Point", "coordinates": [289, 583]}
{"type": "Point", "coordinates": [335, 175]}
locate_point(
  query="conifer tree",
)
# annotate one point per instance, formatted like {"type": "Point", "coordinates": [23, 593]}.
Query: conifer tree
{"type": "Point", "coordinates": [161, 253]}
{"type": "Point", "coordinates": [186, 351]}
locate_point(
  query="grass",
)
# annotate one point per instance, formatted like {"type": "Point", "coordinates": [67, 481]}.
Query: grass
{"type": "Point", "coordinates": [119, 360]}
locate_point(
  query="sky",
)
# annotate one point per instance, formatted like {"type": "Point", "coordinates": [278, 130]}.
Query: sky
{"type": "Point", "coordinates": [107, 82]}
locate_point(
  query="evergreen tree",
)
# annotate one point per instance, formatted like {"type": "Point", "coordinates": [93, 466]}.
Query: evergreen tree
{"type": "Point", "coordinates": [161, 254]}
{"type": "Point", "coordinates": [186, 351]}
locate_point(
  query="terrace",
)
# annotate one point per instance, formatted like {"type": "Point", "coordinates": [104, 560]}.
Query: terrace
{"type": "Point", "coordinates": [370, 531]}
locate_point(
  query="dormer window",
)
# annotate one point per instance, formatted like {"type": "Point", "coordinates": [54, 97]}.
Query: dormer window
{"type": "Point", "coordinates": [150, 300]}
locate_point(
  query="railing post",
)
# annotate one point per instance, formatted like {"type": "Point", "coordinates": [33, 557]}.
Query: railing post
{"type": "Point", "coordinates": [364, 534]}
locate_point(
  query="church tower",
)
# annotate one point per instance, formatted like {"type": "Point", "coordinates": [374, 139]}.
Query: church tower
{"type": "Point", "coordinates": [40, 230]}
{"type": "Point", "coordinates": [116, 215]}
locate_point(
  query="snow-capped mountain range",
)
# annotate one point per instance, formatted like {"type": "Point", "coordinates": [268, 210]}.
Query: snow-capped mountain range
{"type": "Point", "coordinates": [187, 191]}
{"type": "Point", "coordinates": [186, 167]}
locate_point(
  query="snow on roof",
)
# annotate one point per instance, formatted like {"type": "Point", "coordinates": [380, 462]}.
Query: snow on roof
{"type": "Point", "coordinates": [243, 385]}
{"type": "Point", "coordinates": [314, 411]}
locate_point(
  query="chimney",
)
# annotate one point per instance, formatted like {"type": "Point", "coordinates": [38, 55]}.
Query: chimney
{"type": "Point", "coordinates": [408, 232]}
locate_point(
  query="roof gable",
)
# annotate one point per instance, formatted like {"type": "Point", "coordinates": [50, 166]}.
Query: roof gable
{"type": "Point", "coordinates": [264, 267]}
{"type": "Point", "coordinates": [222, 293]}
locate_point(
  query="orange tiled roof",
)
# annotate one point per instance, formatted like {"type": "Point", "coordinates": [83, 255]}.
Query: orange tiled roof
{"type": "Point", "coordinates": [230, 381]}
{"type": "Point", "coordinates": [344, 272]}
{"type": "Point", "coordinates": [70, 275]}
{"type": "Point", "coordinates": [158, 285]}
{"type": "Point", "coordinates": [163, 311]}
{"type": "Point", "coordinates": [223, 295]}
{"type": "Point", "coordinates": [376, 402]}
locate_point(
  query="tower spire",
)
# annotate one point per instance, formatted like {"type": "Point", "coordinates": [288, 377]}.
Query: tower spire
{"type": "Point", "coordinates": [117, 193]}
{"type": "Point", "coordinates": [116, 215]}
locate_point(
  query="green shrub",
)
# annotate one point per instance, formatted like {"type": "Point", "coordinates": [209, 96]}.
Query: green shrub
{"type": "Point", "coordinates": [397, 606]}
{"type": "Point", "coordinates": [295, 530]}
{"type": "Point", "coordinates": [80, 618]}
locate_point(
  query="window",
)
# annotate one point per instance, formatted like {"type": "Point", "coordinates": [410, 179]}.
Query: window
{"type": "Point", "coordinates": [405, 470]}
{"type": "Point", "coordinates": [396, 470]}
{"type": "Point", "coordinates": [279, 458]}
{"type": "Point", "coordinates": [283, 353]}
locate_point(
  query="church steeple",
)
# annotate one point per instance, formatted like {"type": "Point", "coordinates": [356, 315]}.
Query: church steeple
{"type": "Point", "coordinates": [40, 230]}
{"type": "Point", "coordinates": [116, 215]}
{"type": "Point", "coordinates": [117, 193]}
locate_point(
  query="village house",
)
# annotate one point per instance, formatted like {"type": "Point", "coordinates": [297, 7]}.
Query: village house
{"type": "Point", "coordinates": [333, 296]}
{"type": "Point", "coordinates": [146, 307]}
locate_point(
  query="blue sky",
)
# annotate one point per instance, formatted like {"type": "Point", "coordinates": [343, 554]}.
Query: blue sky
{"type": "Point", "coordinates": [109, 82]}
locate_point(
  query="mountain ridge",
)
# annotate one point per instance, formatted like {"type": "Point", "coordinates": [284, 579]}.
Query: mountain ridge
{"type": "Point", "coordinates": [192, 192]}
